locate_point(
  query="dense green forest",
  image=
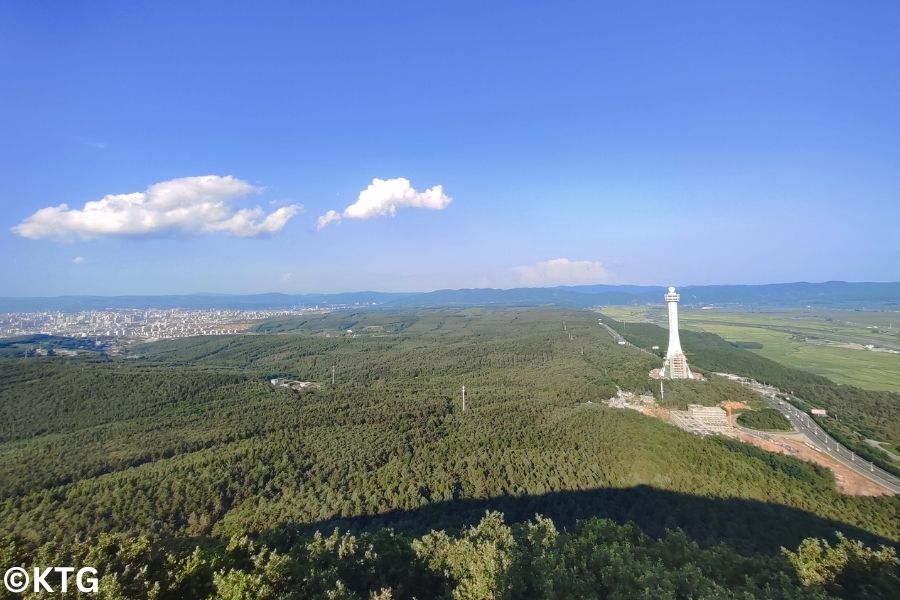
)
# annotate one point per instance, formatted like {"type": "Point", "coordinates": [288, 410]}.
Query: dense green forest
{"type": "Point", "coordinates": [185, 444]}
{"type": "Point", "coordinates": [861, 413]}
{"type": "Point", "coordinates": [596, 558]}
{"type": "Point", "coordinates": [764, 419]}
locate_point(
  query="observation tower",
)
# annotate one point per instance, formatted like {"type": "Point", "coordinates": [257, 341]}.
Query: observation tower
{"type": "Point", "coordinates": [675, 366]}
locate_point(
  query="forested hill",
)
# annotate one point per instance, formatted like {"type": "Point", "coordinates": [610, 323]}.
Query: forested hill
{"type": "Point", "coordinates": [835, 294]}
{"type": "Point", "coordinates": [182, 472]}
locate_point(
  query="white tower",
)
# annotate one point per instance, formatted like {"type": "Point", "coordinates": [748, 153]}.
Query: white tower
{"type": "Point", "coordinates": [675, 366]}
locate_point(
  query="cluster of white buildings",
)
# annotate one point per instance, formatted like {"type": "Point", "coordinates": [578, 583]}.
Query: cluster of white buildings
{"type": "Point", "coordinates": [138, 323]}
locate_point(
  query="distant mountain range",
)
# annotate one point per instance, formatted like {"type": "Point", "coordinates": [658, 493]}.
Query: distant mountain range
{"type": "Point", "coordinates": [835, 294]}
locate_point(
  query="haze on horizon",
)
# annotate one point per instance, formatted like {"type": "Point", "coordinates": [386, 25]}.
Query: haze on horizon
{"type": "Point", "coordinates": [446, 146]}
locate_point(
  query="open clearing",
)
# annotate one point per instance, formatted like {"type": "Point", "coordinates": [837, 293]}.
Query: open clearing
{"type": "Point", "coordinates": [827, 342]}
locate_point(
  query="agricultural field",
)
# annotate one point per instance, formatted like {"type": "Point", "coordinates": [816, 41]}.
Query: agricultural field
{"type": "Point", "coordinates": [831, 343]}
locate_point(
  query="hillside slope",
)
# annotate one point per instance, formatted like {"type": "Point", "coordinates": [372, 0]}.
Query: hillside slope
{"type": "Point", "coordinates": [192, 442]}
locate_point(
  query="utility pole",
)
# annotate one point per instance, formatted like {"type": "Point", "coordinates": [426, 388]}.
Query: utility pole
{"type": "Point", "coordinates": [662, 395]}
{"type": "Point", "coordinates": [332, 374]}
{"type": "Point", "coordinates": [464, 398]}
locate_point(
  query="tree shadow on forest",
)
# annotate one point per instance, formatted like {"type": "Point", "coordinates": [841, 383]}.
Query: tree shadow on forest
{"type": "Point", "coordinates": [746, 525]}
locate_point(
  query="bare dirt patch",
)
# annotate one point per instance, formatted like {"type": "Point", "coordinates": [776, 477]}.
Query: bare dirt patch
{"type": "Point", "coordinates": [848, 481]}
{"type": "Point", "coordinates": [659, 412]}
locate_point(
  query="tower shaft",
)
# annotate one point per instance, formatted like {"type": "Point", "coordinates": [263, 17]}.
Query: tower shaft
{"type": "Point", "coordinates": [674, 338]}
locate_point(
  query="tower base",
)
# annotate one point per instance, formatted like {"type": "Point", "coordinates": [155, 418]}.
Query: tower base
{"type": "Point", "coordinates": [676, 367]}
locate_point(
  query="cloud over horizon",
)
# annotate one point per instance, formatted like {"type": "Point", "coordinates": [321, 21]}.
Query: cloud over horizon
{"type": "Point", "coordinates": [562, 271]}
{"type": "Point", "coordinates": [187, 205]}
{"type": "Point", "coordinates": [383, 197]}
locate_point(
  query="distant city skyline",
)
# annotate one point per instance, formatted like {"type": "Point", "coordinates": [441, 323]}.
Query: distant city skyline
{"type": "Point", "coordinates": [404, 147]}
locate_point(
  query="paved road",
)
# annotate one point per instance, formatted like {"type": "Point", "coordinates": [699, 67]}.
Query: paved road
{"type": "Point", "coordinates": [618, 338]}
{"type": "Point", "coordinates": [820, 439]}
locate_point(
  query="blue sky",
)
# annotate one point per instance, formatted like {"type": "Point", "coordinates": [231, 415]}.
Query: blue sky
{"type": "Point", "coordinates": [649, 143]}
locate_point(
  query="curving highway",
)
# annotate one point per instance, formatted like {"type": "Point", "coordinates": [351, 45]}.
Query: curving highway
{"type": "Point", "coordinates": [817, 436]}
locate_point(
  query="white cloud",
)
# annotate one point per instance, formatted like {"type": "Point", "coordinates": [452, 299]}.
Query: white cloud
{"type": "Point", "coordinates": [384, 196]}
{"type": "Point", "coordinates": [191, 205]}
{"type": "Point", "coordinates": [562, 271]}
{"type": "Point", "coordinates": [78, 260]}
{"type": "Point", "coordinates": [95, 144]}
{"type": "Point", "coordinates": [330, 217]}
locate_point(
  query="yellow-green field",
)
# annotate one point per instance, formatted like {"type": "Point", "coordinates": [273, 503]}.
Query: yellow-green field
{"type": "Point", "coordinates": [826, 342]}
